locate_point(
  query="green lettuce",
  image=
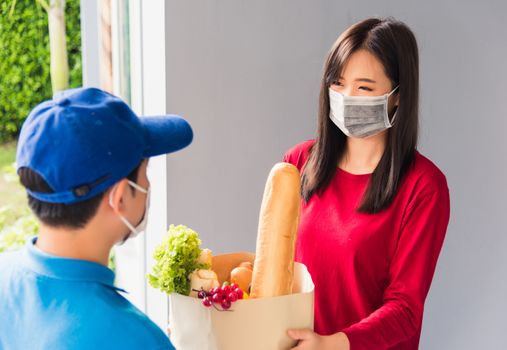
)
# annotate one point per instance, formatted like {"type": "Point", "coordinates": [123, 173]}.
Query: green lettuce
{"type": "Point", "coordinates": [176, 258]}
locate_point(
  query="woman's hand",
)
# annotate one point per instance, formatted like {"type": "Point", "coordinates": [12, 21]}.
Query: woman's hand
{"type": "Point", "coordinates": [309, 340]}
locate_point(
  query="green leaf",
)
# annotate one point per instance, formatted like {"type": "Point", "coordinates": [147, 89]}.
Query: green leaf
{"type": "Point", "coordinates": [176, 258]}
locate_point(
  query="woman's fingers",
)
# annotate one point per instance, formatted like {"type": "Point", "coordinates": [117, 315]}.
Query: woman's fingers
{"type": "Point", "coordinates": [300, 334]}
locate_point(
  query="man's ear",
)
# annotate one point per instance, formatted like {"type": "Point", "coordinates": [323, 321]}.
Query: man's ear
{"type": "Point", "coordinates": [116, 193]}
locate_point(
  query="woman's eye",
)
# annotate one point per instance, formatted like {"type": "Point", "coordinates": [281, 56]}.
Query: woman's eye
{"type": "Point", "coordinates": [365, 88]}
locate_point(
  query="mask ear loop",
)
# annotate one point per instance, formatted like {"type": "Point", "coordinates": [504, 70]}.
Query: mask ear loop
{"type": "Point", "coordinates": [122, 218]}
{"type": "Point", "coordinates": [391, 122]}
{"type": "Point", "coordinates": [137, 187]}
{"type": "Point", "coordinates": [111, 197]}
{"type": "Point", "coordinates": [396, 88]}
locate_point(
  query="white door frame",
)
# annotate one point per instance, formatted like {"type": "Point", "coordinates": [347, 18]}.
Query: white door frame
{"type": "Point", "coordinates": [148, 97]}
{"type": "Point", "coordinates": [154, 92]}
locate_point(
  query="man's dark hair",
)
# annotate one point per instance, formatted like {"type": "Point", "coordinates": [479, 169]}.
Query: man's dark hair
{"type": "Point", "coordinates": [74, 216]}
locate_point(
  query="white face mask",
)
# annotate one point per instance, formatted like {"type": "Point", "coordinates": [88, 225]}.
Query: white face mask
{"type": "Point", "coordinates": [134, 231]}
{"type": "Point", "coordinates": [360, 116]}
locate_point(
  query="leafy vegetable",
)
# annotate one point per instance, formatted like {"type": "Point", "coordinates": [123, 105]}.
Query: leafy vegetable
{"type": "Point", "coordinates": [177, 257]}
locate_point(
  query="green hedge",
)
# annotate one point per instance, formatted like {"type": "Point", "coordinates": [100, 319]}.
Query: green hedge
{"type": "Point", "coordinates": [24, 59]}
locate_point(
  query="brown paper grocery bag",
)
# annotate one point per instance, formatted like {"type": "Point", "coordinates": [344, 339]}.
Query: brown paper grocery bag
{"type": "Point", "coordinates": [254, 324]}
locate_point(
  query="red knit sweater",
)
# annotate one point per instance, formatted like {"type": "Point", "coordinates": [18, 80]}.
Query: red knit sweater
{"type": "Point", "coordinates": [372, 272]}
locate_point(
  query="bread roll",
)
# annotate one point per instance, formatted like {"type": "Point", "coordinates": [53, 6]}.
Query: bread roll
{"type": "Point", "coordinates": [202, 279]}
{"type": "Point", "coordinates": [273, 272]}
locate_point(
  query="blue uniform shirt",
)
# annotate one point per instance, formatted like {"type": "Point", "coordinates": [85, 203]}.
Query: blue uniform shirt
{"type": "Point", "coordinates": [49, 302]}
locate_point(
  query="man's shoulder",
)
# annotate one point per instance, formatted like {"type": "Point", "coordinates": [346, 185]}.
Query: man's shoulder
{"type": "Point", "coordinates": [128, 319]}
{"type": "Point", "coordinates": [73, 317]}
{"type": "Point", "coordinates": [8, 257]}
{"type": "Point", "coordinates": [9, 261]}
{"type": "Point", "coordinates": [69, 313]}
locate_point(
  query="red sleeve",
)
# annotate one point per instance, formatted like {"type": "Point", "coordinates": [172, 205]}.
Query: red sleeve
{"type": "Point", "coordinates": [410, 273]}
{"type": "Point", "coordinates": [298, 154]}
{"type": "Point", "coordinates": [287, 158]}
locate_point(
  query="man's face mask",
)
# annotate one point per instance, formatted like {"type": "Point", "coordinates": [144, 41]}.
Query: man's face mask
{"type": "Point", "coordinates": [141, 226]}
{"type": "Point", "coordinates": [360, 116]}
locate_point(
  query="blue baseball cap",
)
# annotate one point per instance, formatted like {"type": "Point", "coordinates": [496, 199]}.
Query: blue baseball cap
{"type": "Point", "coordinates": [85, 140]}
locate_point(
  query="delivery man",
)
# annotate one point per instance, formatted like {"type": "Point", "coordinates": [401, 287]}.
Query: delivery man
{"type": "Point", "coordinates": [82, 158]}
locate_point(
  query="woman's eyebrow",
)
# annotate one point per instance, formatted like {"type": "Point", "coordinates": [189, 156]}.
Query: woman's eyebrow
{"type": "Point", "coordinates": [366, 80]}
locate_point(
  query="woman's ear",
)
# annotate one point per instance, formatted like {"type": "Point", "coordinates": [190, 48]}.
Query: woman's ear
{"type": "Point", "coordinates": [114, 196]}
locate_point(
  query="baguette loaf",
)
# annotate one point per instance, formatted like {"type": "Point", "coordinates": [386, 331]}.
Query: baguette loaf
{"type": "Point", "coordinates": [273, 272]}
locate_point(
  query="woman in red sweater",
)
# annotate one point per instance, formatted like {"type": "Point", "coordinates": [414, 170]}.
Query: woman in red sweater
{"type": "Point", "coordinates": [374, 210]}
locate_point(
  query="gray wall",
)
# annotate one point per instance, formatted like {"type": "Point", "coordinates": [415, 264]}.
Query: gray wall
{"type": "Point", "coordinates": [246, 75]}
{"type": "Point", "coordinates": [90, 43]}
